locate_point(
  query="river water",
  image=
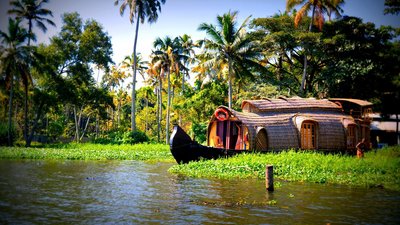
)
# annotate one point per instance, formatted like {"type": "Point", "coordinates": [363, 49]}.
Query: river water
{"type": "Point", "coordinates": [134, 192]}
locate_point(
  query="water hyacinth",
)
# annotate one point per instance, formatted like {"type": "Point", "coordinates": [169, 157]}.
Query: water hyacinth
{"type": "Point", "coordinates": [147, 152]}
{"type": "Point", "coordinates": [380, 168]}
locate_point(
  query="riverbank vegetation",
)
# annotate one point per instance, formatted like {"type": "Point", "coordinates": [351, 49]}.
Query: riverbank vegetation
{"type": "Point", "coordinates": [380, 168]}
{"type": "Point", "coordinates": [145, 152]}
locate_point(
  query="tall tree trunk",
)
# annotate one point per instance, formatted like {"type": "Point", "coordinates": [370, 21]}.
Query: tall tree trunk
{"type": "Point", "coordinates": [35, 123]}
{"type": "Point", "coordinates": [303, 79]}
{"type": "Point", "coordinates": [159, 109]}
{"type": "Point", "coordinates": [310, 80]}
{"type": "Point", "coordinates": [29, 31]}
{"type": "Point", "coordinates": [119, 112]}
{"type": "Point", "coordinates": [84, 130]}
{"type": "Point", "coordinates": [168, 108]}
{"type": "Point", "coordinates": [97, 125]}
{"type": "Point", "coordinates": [280, 73]}
{"type": "Point", "coordinates": [26, 128]}
{"type": "Point", "coordinates": [10, 112]}
{"type": "Point", "coordinates": [112, 119]}
{"type": "Point", "coordinates": [183, 82]}
{"type": "Point", "coordinates": [145, 119]}
{"type": "Point", "coordinates": [230, 82]}
{"type": "Point", "coordinates": [77, 122]}
{"type": "Point", "coordinates": [172, 95]}
{"type": "Point", "coordinates": [133, 106]}
{"type": "Point", "coordinates": [186, 72]}
{"type": "Point", "coordinates": [76, 125]}
{"type": "Point", "coordinates": [158, 114]}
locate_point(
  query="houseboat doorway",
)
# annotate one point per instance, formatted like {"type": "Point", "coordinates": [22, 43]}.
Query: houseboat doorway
{"type": "Point", "coordinates": [226, 134]}
{"type": "Point", "coordinates": [261, 139]}
{"type": "Point", "coordinates": [308, 135]}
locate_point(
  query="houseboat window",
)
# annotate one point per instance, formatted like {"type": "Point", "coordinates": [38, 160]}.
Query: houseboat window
{"type": "Point", "coordinates": [351, 136]}
{"type": "Point", "coordinates": [262, 140]}
{"type": "Point", "coordinates": [308, 135]}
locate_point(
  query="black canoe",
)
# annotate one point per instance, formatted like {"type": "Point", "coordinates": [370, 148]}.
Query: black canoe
{"type": "Point", "coordinates": [184, 149]}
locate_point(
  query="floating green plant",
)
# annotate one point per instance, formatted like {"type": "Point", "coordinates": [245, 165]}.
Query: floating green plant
{"type": "Point", "coordinates": [148, 152]}
{"type": "Point", "coordinates": [379, 168]}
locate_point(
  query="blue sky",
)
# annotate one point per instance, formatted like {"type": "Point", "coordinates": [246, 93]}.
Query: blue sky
{"type": "Point", "coordinates": [179, 17]}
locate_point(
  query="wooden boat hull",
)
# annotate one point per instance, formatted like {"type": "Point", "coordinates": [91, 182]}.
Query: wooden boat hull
{"type": "Point", "coordinates": [184, 149]}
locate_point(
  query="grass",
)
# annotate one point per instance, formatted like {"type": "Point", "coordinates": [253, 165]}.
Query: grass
{"type": "Point", "coordinates": [145, 152]}
{"type": "Point", "coordinates": [379, 168]}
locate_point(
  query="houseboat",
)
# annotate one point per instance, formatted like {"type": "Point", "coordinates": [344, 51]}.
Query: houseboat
{"type": "Point", "coordinates": [330, 125]}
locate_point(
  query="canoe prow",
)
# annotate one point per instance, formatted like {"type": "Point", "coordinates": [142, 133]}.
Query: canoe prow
{"type": "Point", "coordinates": [184, 149]}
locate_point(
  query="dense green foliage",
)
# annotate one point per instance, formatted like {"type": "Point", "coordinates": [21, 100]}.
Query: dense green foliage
{"type": "Point", "coordinates": [118, 137]}
{"type": "Point", "coordinates": [380, 168]}
{"type": "Point", "coordinates": [4, 133]}
{"type": "Point", "coordinates": [148, 152]}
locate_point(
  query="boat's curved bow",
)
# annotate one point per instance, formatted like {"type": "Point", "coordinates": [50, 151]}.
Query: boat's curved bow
{"type": "Point", "coordinates": [184, 149]}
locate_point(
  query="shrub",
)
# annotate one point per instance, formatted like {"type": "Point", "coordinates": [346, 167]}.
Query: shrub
{"type": "Point", "coordinates": [134, 137]}
{"type": "Point", "coordinates": [119, 137]}
{"type": "Point", "coordinates": [55, 129]}
{"type": "Point", "coordinates": [199, 131]}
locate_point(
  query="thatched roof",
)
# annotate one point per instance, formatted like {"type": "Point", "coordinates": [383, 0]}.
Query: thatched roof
{"type": "Point", "coordinates": [288, 104]}
{"type": "Point", "coordinates": [359, 102]}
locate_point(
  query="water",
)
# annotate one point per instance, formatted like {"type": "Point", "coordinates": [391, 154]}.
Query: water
{"type": "Point", "coordinates": [133, 192]}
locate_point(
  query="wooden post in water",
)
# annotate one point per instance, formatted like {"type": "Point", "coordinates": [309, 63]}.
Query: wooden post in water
{"type": "Point", "coordinates": [269, 177]}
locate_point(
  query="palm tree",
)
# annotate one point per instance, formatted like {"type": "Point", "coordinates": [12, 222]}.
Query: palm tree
{"type": "Point", "coordinates": [169, 56]}
{"type": "Point", "coordinates": [155, 80]}
{"type": "Point", "coordinates": [140, 64]}
{"type": "Point", "coordinates": [318, 8]}
{"type": "Point", "coordinates": [187, 46]}
{"type": "Point", "coordinates": [231, 48]}
{"type": "Point", "coordinates": [14, 60]}
{"type": "Point", "coordinates": [202, 68]}
{"type": "Point", "coordinates": [142, 10]}
{"type": "Point", "coordinates": [32, 10]}
{"type": "Point", "coordinates": [337, 9]}
{"type": "Point", "coordinates": [113, 79]}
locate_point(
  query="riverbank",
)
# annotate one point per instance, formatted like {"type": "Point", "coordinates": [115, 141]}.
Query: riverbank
{"type": "Point", "coordinates": [380, 168]}
{"type": "Point", "coordinates": [143, 152]}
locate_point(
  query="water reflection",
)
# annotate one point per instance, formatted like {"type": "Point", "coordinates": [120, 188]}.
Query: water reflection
{"type": "Point", "coordinates": [93, 192]}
